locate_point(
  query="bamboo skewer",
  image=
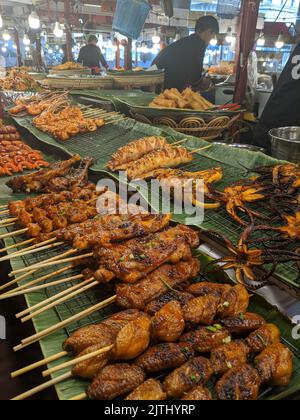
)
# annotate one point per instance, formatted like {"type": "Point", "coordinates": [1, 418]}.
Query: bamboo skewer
{"type": "Point", "coordinates": [29, 241]}
{"type": "Point", "coordinates": [179, 142]}
{"type": "Point", "coordinates": [38, 364]}
{"type": "Point", "coordinates": [79, 397]}
{"type": "Point", "coordinates": [71, 292]}
{"type": "Point", "coordinates": [4, 206]}
{"type": "Point", "coordinates": [51, 263]}
{"type": "Point", "coordinates": [12, 219]}
{"type": "Point", "coordinates": [45, 286]}
{"type": "Point", "coordinates": [24, 287]}
{"type": "Point", "coordinates": [202, 148]}
{"type": "Point", "coordinates": [8, 225]}
{"type": "Point", "coordinates": [15, 233]}
{"type": "Point", "coordinates": [36, 245]}
{"type": "Point", "coordinates": [36, 337]}
{"type": "Point", "coordinates": [76, 361]}
{"type": "Point", "coordinates": [59, 259]}
{"type": "Point", "coordinates": [30, 251]}
{"type": "Point", "coordinates": [42, 387]}
{"type": "Point", "coordinates": [4, 212]}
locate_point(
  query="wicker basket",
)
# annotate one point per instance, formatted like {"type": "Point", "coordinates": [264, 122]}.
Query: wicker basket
{"type": "Point", "coordinates": [80, 83]}
{"type": "Point", "coordinates": [138, 79]}
{"type": "Point", "coordinates": [83, 71]}
{"type": "Point", "coordinates": [193, 126]}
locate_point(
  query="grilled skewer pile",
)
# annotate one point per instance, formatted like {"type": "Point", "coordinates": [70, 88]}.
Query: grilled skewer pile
{"type": "Point", "coordinates": [15, 155]}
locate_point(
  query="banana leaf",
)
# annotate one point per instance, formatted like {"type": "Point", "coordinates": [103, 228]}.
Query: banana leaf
{"type": "Point", "coordinates": [53, 343]}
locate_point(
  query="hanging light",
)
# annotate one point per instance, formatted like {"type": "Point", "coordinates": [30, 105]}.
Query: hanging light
{"type": "Point", "coordinates": [229, 36]}
{"type": "Point", "coordinates": [14, 47]}
{"type": "Point", "coordinates": [280, 42]}
{"type": "Point", "coordinates": [156, 38]}
{"type": "Point", "coordinates": [6, 35]}
{"type": "Point", "coordinates": [58, 31]}
{"type": "Point", "coordinates": [261, 40]}
{"type": "Point", "coordinates": [1, 21]}
{"type": "Point", "coordinates": [26, 40]}
{"type": "Point", "coordinates": [4, 49]}
{"type": "Point", "coordinates": [50, 51]}
{"type": "Point", "coordinates": [34, 20]}
{"type": "Point", "coordinates": [27, 49]}
{"type": "Point", "coordinates": [213, 42]}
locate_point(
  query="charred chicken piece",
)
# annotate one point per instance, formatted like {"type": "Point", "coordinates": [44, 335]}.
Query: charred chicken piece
{"type": "Point", "coordinates": [234, 302]}
{"type": "Point", "coordinates": [115, 381]}
{"type": "Point", "coordinates": [229, 356]}
{"type": "Point", "coordinates": [132, 260]}
{"type": "Point", "coordinates": [116, 228]}
{"type": "Point", "coordinates": [200, 393]}
{"type": "Point", "coordinates": [244, 323]}
{"type": "Point", "coordinates": [164, 356]}
{"type": "Point", "coordinates": [275, 365]}
{"type": "Point", "coordinates": [133, 339]}
{"type": "Point", "coordinates": [104, 333]}
{"type": "Point", "coordinates": [201, 310]}
{"type": "Point", "coordinates": [151, 390]}
{"type": "Point", "coordinates": [206, 288]}
{"type": "Point", "coordinates": [197, 371]}
{"type": "Point", "coordinates": [157, 283]}
{"type": "Point", "coordinates": [37, 181]}
{"type": "Point", "coordinates": [168, 323]}
{"type": "Point", "coordinates": [205, 339]}
{"type": "Point", "coordinates": [239, 384]}
{"type": "Point", "coordinates": [264, 337]}
{"type": "Point", "coordinates": [181, 297]}
{"type": "Point", "coordinates": [89, 368]}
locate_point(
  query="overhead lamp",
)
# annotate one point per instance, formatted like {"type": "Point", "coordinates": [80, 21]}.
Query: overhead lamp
{"type": "Point", "coordinates": [280, 42]}
{"type": "Point", "coordinates": [4, 49]}
{"type": "Point", "coordinates": [26, 40]}
{"type": "Point", "coordinates": [156, 38]}
{"type": "Point", "coordinates": [229, 37]}
{"type": "Point", "coordinates": [1, 21]}
{"type": "Point", "coordinates": [58, 31]}
{"type": "Point", "coordinates": [50, 51]}
{"type": "Point", "coordinates": [34, 20]}
{"type": "Point", "coordinates": [27, 49]}
{"type": "Point", "coordinates": [261, 40]}
{"type": "Point", "coordinates": [6, 35]}
{"type": "Point", "coordinates": [214, 42]}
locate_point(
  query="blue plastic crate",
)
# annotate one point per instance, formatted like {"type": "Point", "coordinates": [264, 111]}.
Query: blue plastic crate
{"type": "Point", "coordinates": [130, 17]}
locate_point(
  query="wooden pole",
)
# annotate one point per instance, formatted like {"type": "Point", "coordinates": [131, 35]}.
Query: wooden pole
{"type": "Point", "coordinates": [128, 55]}
{"type": "Point", "coordinates": [69, 39]}
{"type": "Point", "coordinates": [245, 44]}
{"type": "Point", "coordinates": [17, 42]}
{"type": "Point", "coordinates": [118, 55]}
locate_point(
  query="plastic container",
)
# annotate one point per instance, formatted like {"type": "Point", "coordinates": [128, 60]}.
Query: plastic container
{"type": "Point", "coordinates": [130, 17]}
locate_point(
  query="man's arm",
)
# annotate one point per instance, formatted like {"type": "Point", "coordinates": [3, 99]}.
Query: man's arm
{"type": "Point", "coordinates": [102, 60]}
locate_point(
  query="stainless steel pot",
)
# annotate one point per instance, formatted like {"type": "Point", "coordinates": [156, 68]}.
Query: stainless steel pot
{"type": "Point", "coordinates": [285, 143]}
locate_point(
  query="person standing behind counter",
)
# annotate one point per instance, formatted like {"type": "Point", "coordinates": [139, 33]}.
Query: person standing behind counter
{"type": "Point", "coordinates": [91, 55]}
{"type": "Point", "coordinates": [183, 60]}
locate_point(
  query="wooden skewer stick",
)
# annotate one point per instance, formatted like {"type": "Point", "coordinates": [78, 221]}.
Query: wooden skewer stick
{"type": "Point", "coordinates": [12, 219]}
{"type": "Point", "coordinates": [38, 364]}
{"type": "Point", "coordinates": [58, 260]}
{"type": "Point", "coordinates": [36, 337]}
{"type": "Point", "coordinates": [42, 387]}
{"type": "Point", "coordinates": [71, 293]}
{"type": "Point", "coordinates": [51, 263]}
{"type": "Point", "coordinates": [45, 286]}
{"type": "Point", "coordinates": [114, 122]}
{"type": "Point", "coordinates": [76, 361]}
{"type": "Point", "coordinates": [15, 233]}
{"type": "Point", "coordinates": [8, 225]}
{"type": "Point", "coordinates": [79, 397]}
{"type": "Point", "coordinates": [4, 212]}
{"type": "Point", "coordinates": [30, 251]}
{"type": "Point", "coordinates": [12, 293]}
{"type": "Point", "coordinates": [28, 274]}
{"type": "Point", "coordinates": [4, 206]}
{"type": "Point", "coordinates": [18, 245]}
{"type": "Point", "coordinates": [202, 148]}
{"type": "Point", "coordinates": [179, 142]}
{"type": "Point", "coordinates": [36, 245]}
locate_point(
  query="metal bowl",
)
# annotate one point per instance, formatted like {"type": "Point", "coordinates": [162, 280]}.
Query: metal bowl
{"type": "Point", "coordinates": [285, 143]}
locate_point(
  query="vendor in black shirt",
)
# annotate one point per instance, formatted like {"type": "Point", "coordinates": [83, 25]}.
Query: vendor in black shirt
{"type": "Point", "coordinates": [183, 60]}
{"type": "Point", "coordinates": [91, 55]}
